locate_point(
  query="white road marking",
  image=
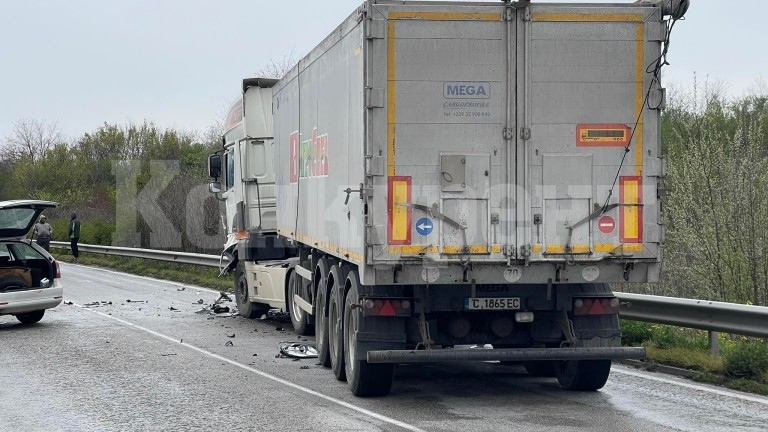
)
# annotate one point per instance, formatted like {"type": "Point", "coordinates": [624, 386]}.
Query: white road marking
{"type": "Point", "coordinates": [721, 392]}
{"type": "Point", "coordinates": [260, 373]}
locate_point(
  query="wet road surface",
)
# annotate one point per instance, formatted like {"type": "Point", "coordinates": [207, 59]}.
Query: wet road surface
{"type": "Point", "coordinates": [154, 364]}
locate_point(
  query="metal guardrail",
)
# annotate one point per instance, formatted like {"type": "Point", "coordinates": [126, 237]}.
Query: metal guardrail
{"type": "Point", "coordinates": [700, 314]}
{"type": "Point", "coordinates": [170, 256]}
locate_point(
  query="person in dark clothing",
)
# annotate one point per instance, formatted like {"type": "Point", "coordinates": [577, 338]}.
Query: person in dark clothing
{"type": "Point", "coordinates": [74, 234]}
{"type": "Point", "coordinates": [43, 231]}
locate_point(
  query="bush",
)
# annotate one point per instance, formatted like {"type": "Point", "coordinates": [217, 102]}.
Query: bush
{"type": "Point", "coordinates": [634, 333]}
{"type": "Point", "coordinates": [749, 360]}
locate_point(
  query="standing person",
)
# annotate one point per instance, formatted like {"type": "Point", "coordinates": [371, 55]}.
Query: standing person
{"type": "Point", "coordinates": [74, 234]}
{"type": "Point", "coordinates": [43, 231]}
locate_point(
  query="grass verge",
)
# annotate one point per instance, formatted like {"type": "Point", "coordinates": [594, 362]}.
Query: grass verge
{"type": "Point", "coordinates": [739, 365]}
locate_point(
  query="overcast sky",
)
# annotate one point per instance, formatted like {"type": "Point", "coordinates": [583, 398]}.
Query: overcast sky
{"type": "Point", "coordinates": [179, 63]}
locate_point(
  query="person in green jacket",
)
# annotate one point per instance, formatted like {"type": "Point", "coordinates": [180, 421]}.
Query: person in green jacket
{"type": "Point", "coordinates": [74, 234]}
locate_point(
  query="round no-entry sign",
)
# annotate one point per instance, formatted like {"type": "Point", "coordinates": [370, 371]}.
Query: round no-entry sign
{"type": "Point", "coordinates": [606, 224]}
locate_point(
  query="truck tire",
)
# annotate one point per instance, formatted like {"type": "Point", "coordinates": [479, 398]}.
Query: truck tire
{"type": "Point", "coordinates": [299, 317]}
{"type": "Point", "coordinates": [542, 368]}
{"type": "Point", "coordinates": [30, 317]}
{"type": "Point", "coordinates": [322, 273]}
{"type": "Point", "coordinates": [245, 307]}
{"type": "Point", "coordinates": [364, 379]}
{"type": "Point", "coordinates": [336, 325]}
{"type": "Point", "coordinates": [583, 375]}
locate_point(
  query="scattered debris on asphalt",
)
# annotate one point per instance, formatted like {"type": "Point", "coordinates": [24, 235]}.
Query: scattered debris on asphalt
{"type": "Point", "coordinates": [166, 355]}
{"type": "Point", "coordinates": [96, 304]}
{"type": "Point", "coordinates": [230, 335]}
{"type": "Point", "coordinates": [304, 367]}
{"type": "Point", "coordinates": [297, 350]}
{"type": "Point", "coordinates": [67, 303]}
{"type": "Point", "coordinates": [217, 308]}
{"type": "Point", "coordinates": [276, 315]}
{"type": "Point", "coordinates": [181, 289]}
{"type": "Point", "coordinates": [278, 328]}
{"type": "Point", "coordinates": [173, 309]}
{"type": "Point", "coordinates": [136, 301]}
{"type": "Point", "coordinates": [229, 343]}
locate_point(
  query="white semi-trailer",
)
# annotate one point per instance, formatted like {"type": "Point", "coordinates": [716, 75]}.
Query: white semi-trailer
{"type": "Point", "coordinates": [437, 175]}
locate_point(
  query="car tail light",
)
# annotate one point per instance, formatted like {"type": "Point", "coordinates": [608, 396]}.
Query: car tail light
{"type": "Point", "coordinates": [58, 270]}
{"type": "Point", "coordinates": [386, 307]}
{"type": "Point", "coordinates": [595, 306]}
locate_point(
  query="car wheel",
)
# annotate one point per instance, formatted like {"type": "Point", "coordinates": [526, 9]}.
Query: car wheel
{"type": "Point", "coordinates": [30, 317]}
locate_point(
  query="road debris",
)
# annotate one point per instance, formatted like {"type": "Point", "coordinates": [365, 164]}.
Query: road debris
{"type": "Point", "coordinates": [181, 289]}
{"type": "Point", "coordinates": [217, 308]}
{"type": "Point", "coordinates": [96, 304]}
{"type": "Point", "coordinates": [173, 309]}
{"type": "Point", "coordinates": [166, 355]}
{"type": "Point", "coordinates": [230, 335]}
{"type": "Point", "coordinates": [276, 315]}
{"type": "Point", "coordinates": [229, 343]}
{"type": "Point", "coordinates": [136, 301]}
{"type": "Point", "coordinates": [297, 350]}
{"type": "Point", "coordinates": [304, 367]}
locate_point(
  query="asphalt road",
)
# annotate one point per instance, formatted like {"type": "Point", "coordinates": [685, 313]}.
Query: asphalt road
{"type": "Point", "coordinates": [155, 364]}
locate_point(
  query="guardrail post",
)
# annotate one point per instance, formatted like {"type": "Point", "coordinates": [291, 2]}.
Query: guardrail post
{"type": "Point", "coordinates": [714, 342]}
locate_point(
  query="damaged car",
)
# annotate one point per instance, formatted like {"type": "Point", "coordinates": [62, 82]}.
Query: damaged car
{"type": "Point", "coordinates": [30, 278]}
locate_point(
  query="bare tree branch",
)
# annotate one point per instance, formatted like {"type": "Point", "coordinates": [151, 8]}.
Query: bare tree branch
{"type": "Point", "coordinates": [32, 139]}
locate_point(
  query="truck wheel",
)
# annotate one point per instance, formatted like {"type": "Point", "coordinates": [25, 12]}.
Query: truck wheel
{"type": "Point", "coordinates": [321, 313]}
{"type": "Point", "coordinates": [364, 379]}
{"type": "Point", "coordinates": [30, 317]}
{"type": "Point", "coordinates": [583, 375]}
{"type": "Point", "coordinates": [245, 307]}
{"type": "Point", "coordinates": [336, 325]}
{"type": "Point", "coordinates": [299, 317]}
{"type": "Point", "coordinates": [540, 368]}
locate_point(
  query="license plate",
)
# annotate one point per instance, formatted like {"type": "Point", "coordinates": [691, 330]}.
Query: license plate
{"type": "Point", "coordinates": [492, 303]}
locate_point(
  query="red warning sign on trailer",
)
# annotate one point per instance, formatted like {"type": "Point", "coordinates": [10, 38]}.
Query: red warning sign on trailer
{"type": "Point", "coordinates": [606, 224]}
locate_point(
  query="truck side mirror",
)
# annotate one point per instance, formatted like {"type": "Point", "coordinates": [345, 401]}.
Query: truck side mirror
{"type": "Point", "coordinates": [214, 187]}
{"type": "Point", "coordinates": [214, 166]}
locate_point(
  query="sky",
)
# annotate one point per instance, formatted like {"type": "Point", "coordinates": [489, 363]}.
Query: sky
{"type": "Point", "coordinates": [179, 63]}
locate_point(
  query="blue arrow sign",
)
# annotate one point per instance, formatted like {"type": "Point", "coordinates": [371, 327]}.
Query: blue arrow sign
{"type": "Point", "coordinates": [424, 226]}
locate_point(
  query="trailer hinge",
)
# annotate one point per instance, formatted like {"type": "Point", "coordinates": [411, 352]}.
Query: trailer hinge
{"type": "Point", "coordinates": [374, 165]}
{"type": "Point", "coordinates": [508, 133]}
{"type": "Point", "coordinates": [525, 133]}
{"type": "Point", "coordinates": [374, 97]}
{"type": "Point", "coordinates": [374, 29]}
{"type": "Point", "coordinates": [509, 14]}
{"type": "Point", "coordinates": [527, 14]}
{"type": "Point", "coordinates": [656, 167]}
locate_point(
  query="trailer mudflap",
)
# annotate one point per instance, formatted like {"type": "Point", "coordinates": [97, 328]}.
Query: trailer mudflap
{"type": "Point", "coordinates": [506, 354]}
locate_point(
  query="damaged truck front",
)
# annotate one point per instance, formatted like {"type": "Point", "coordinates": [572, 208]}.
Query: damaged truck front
{"type": "Point", "coordinates": [440, 175]}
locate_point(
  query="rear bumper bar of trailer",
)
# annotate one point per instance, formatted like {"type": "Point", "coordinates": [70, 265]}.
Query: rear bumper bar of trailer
{"type": "Point", "coordinates": [506, 354]}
